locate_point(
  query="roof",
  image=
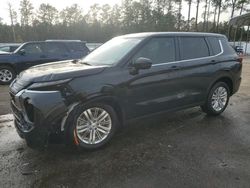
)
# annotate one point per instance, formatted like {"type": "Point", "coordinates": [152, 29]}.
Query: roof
{"type": "Point", "coordinates": [57, 41]}
{"type": "Point", "coordinates": [149, 34]}
{"type": "Point", "coordinates": [240, 21]}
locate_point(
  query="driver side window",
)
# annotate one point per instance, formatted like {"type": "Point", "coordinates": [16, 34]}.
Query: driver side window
{"type": "Point", "coordinates": [159, 50]}
{"type": "Point", "coordinates": [33, 49]}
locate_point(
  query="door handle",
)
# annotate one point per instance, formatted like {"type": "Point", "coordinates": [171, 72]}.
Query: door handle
{"type": "Point", "coordinates": [213, 61]}
{"type": "Point", "coordinates": [43, 56]}
{"type": "Point", "coordinates": [175, 67]}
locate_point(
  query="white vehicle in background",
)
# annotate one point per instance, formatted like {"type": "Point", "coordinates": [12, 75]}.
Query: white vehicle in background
{"type": "Point", "coordinates": [9, 47]}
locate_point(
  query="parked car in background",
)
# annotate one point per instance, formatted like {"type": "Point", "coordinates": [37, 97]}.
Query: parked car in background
{"type": "Point", "coordinates": [36, 53]}
{"type": "Point", "coordinates": [239, 50]}
{"type": "Point", "coordinates": [9, 47]}
{"type": "Point", "coordinates": [3, 52]}
{"type": "Point", "coordinates": [128, 77]}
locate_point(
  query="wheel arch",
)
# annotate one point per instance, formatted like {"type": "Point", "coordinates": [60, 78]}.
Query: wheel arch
{"type": "Point", "coordinates": [108, 100]}
{"type": "Point", "coordinates": [8, 65]}
{"type": "Point", "coordinates": [225, 79]}
{"type": "Point", "coordinates": [111, 101]}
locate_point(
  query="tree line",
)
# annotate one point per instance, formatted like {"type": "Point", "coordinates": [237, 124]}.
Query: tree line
{"type": "Point", "coordinates": [103, 22]}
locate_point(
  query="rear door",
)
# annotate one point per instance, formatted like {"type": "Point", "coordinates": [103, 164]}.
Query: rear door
{"type": "Point", "coordinates": [56, 51]}
{"type": "Point", "coordinates": [77, 49]}
{"type": "Point", "coordinates": [195, 67]}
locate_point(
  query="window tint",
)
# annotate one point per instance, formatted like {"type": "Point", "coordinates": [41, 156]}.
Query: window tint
{"type": "Point", "coordinates": [159, 50]}
{"type": "Point", "coordinates": [215, 45]}
{"type": "Point", "coordinates": [54, 48]}
{"type": "Point", "coordinates": [13, 48]}
{"type": "Point", "coordinates": [228, 49]}
{"type": "Point", "coordinates": [77, 47]}
{"type": "Point", "coordinates": [193, 47]}
{"type": "Point", "coordinates": [33, 49]}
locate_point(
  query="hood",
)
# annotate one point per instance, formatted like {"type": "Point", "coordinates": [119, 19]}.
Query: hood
{"type": "Point", "coordinates": [52, 72]}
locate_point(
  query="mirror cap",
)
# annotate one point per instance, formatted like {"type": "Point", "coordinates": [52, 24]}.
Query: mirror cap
{"type": "Point", "coordinates": [143, 63]}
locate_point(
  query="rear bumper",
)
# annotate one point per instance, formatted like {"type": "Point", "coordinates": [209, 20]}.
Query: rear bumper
{"type": "Point", "coordinates": [37, 114]}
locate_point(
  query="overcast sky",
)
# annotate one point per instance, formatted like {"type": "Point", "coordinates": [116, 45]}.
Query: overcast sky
{"type": "Point", "coordinates": [85, 4]}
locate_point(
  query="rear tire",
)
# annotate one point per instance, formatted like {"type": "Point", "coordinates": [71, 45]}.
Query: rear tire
{"type": "Point", "coordinates": [85, 128]}
{"type": "Point", "coordinates": [217, 99]}
{"type": "Point", "coordinates": [7, 75]}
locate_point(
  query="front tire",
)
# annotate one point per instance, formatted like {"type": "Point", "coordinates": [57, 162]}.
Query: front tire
{"type": "Point", "coordinates": [7, 75]}
{"type": "Point", "coordinates": [217, 99]}
{"type": "Point", "coordinates": [92, 126]}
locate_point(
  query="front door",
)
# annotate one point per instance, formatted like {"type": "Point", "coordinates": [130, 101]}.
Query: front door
{"type": "Point", "coordinates": [31, 54]}
{"type": "Point", "coordinates": [154, 89]}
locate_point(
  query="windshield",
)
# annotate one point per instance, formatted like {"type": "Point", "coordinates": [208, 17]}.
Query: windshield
{"type": "Point", "coordinates": [112, 51]}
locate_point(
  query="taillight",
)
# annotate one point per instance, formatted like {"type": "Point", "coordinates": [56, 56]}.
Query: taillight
{"type": "Point", "coordinates": [240, 60]}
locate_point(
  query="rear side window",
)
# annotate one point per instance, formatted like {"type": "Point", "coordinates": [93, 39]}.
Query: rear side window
{"type": "Point", "coordinates": [159, 50]}
{"type": "Point", "coordinates": [55, 48]}
{"type": "Point", "coordinates": [77, 47]}
{"type": "Point", "coordinates": [215, 45]}
{"type": "Point", "coordinates": [193, 47]}
{"type": "Point", "coordinates": [228, 49]}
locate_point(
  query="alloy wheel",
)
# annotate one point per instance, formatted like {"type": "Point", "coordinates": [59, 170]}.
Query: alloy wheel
{"type": "Point", "coordinates": [93, 125]}
{"type": "Point", "coordinates": [5, 75]}
{"type": "Point", "coordinates": [219, 98]}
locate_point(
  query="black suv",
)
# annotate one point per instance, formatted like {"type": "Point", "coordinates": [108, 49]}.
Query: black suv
{"type": "Point", "coordinates": [35, 53]}
{"type": "Point", "coordinates": [128, 77]}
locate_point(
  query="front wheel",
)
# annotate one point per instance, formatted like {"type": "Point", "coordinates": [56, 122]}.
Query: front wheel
{"type": "Point", "coordinates": [91, 127]}
{"type": "Point", "coordinates": [7, 75]}
{"type": "Point", "coordinates": [217, 100]}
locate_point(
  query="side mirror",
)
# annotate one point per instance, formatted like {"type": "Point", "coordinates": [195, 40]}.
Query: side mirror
{"type": "Point", "coordinates": [21, 52]}
{"type": "Point", "coordinates": [140, 63]}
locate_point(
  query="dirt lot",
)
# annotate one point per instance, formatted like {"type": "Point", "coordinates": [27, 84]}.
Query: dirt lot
{"type": "Point", "coordinates": [4, 100]}
{"type": "Point", "coordinates": [183, 149]}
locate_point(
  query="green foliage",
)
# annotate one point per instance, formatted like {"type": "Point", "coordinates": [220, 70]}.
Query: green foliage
{"type": "Point", "coordinates": [47, 14]}
{"type": "Point", "coordinates": [102, 22]}
{"type": "Point", "coordinates": [26, 11]}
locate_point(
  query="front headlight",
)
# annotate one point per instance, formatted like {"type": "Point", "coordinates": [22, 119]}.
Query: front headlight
{"type": "Point", "coordinates": [47, 85]}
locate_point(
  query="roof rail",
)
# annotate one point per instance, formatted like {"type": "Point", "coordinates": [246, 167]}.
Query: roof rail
{"type": "Point", "coordinates": [62, 40]}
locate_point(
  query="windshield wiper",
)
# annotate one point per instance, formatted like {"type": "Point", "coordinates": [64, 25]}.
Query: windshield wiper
{"type": "Point", "coordinates": [85, 63]}
{"type": "Point", "coordinates": [79, 61]}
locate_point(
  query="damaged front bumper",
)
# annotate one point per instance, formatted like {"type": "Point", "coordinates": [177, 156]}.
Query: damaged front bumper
{"type": "Point", "coordinates": [38, 114]}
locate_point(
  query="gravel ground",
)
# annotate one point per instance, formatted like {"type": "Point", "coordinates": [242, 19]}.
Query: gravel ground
{"type": "Point", "coordinates": [182, 149]}
{"type": "Point", "coordinates": [4, 100]}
